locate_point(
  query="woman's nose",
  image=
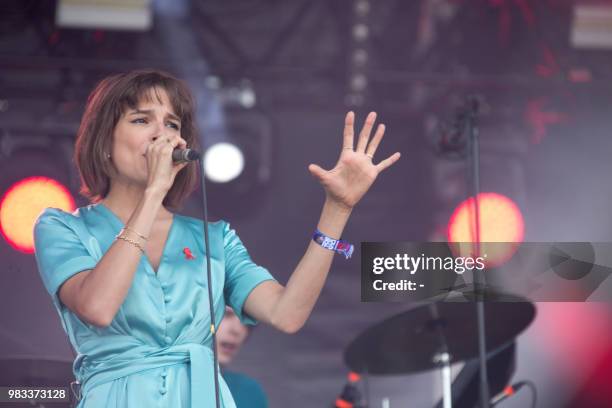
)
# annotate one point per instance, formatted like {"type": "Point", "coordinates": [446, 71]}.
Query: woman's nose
{"type": "Point", "coordinates": [234, 328]}
{"type": "Point", "coordinates": [157, 132]}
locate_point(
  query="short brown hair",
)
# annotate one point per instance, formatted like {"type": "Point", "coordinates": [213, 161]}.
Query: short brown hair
{"type": "Point", "coordinates": [105, 106]}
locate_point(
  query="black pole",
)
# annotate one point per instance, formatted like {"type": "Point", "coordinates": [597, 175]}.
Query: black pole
{"type": "Point", "coordinates": [471, 126]}
{"type": "Point", "coordinates": [213, 328]}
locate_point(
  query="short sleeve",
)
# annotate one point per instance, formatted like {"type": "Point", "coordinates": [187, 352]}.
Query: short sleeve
{"type": "Point", "coordinates": [242, 275]}
{"type": "Point", "coordinates": [59, 252]}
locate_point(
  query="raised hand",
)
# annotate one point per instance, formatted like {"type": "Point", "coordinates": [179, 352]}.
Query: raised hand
{"type": "Point", "coordinates": [355, 171]}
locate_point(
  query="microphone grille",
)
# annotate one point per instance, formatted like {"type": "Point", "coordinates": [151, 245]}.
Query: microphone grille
{"type": "Point", "coordinates": [192, 155]}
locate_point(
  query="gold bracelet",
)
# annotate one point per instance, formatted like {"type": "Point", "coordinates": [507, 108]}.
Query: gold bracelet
{"type": "Point", "coordinates": [131, 241]}
{"type": "Point", "coordinates": [136, 232]}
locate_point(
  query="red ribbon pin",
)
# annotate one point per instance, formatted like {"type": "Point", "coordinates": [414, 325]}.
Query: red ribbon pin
{"type": "Point", "coordinates": [188, 254]}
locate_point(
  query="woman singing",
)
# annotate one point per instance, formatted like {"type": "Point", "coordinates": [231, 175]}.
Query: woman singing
{"type": "Point", "coordinates": [126, 273]}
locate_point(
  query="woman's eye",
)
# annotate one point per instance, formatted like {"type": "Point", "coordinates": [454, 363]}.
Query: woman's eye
{"type": "Point", "coordinates": [139, 120]}
{"type": "Point", "coordinates": [174, 126]}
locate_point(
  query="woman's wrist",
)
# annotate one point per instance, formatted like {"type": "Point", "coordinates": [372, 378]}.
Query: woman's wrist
{"type": "Point", "coordinates": [333, 219]}
{"type": "Point", "coordinates": [337, 208]}
{"type": "Point", "coordinates": [145, 213]}
{"type": "Point", "coordinates": [154, 194]}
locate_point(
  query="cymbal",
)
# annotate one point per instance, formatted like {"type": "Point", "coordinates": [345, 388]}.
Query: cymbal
{"type": "Point", "coordinates": [409, 342]}
{"type": "Point", "coordinates": [34, 371]}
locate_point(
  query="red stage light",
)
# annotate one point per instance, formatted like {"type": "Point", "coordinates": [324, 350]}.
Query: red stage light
{"type": "Point", "coordinates": [22, 204]}
{"type": "Point", "coordinates": [500, 221]}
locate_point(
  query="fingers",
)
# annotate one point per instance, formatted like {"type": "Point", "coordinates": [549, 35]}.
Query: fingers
{"type": "Point", "coordinates": [177, 141]}
{"type": "Point", "coordinates": [349, 121]}
{"type": "Point", "coordinates": [389, 161]}
{"type": "Point", "coordinates": [155, 146]}
{"type": "Point", "coordinates": [166, 144]}
{"type": "Point", "coordinates": [373, 145]}
{"type": "Point", "coordinates": [316, 171]}
{"type": "Point", "coordinates": [172, 142]}
{"type": "Point", "coordinates": [179, 166]}
{"type": "Point", "coordinates": [182, 143]}
{"type": "Point", "coordinates": [364, 136]}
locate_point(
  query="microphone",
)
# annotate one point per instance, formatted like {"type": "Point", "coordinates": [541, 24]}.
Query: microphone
{"type": "Point", "coordinates": [184, 155]}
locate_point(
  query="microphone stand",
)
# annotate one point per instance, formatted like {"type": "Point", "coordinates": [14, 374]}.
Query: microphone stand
{"type": "Point", "coordinates": [213, 329]}
{"type": "Point", "coordinates": [453, 144]}
{"type": "Point", "coordinates": [443, 357]}
{"type": "Point", "coordinates": [470, 122]}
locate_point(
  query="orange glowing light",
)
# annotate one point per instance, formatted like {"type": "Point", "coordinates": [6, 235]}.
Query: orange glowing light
{"type": "Point", "coordinates": [22, 204]}
{"type": "Point", "coordinates": [501, 221]}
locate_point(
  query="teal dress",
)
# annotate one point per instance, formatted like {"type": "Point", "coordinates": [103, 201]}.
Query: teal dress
{"type": "Point", "coordinates": [157, 352]}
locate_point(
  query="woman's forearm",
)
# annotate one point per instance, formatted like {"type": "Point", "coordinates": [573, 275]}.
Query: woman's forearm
{"type": "Point", "coordinates": [299, 296]}
{"type": "Point", "coordinates": [288, 307]}
{"type": "Point", "coordinates": [105, 287]}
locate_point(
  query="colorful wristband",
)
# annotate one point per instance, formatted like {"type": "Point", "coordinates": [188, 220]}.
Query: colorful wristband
{"type": "Point", "coordinates": [336, 245]}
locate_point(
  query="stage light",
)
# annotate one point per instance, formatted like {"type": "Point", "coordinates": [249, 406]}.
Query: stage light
{"type": "Point", "coordinates": [223, 162]}
{"type": "Point", "coordinates": [501, 221]}
{"type": "Point", "coordinates": [591, 26]}
{"type": "Point", "coordinates": [135, 15]}
{"type": "Point", "coordinates": [22, 204]}
{"type": "Point", "coordinates": [238, 167]}
{"type": "Point", "coordinates": [36, 172]}
{"type": "Point", "coordinates": [358, 49]}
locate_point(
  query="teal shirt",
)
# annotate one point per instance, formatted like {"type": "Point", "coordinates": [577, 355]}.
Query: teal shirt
{"type": "Point", "coordinates": [246, 391]}
{"type": "Point", "coordinates": [157, 350]}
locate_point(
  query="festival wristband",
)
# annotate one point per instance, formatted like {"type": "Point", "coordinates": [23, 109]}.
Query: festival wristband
{"type": "Point", "coordinates": [336, 245]}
